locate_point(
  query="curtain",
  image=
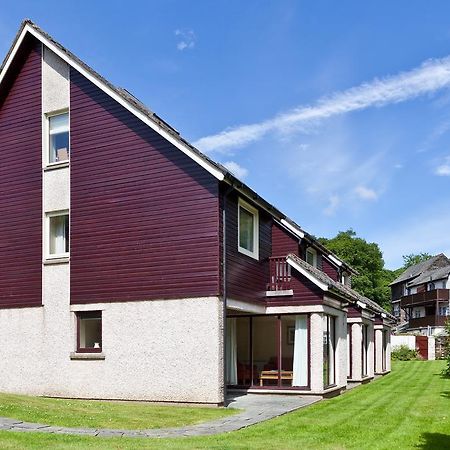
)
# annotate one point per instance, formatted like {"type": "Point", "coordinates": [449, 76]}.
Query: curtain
{"type": "Point", "coordinates": [58, 235]}
{"type": "Point", "coordinates": [300, 376]}
{"type": "Point", "coordinates": [231, 352]}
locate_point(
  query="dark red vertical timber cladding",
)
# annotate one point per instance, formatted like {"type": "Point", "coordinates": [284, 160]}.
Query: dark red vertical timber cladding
{"type": "Point", "coordinates": [247, 278]}
{"type": "Point", "coordinates": [21, 181]}
{"type": "Point", "coordinates": [283, 242]}
{"type": "Point", "coordinates": [330, 269]}
{"type": "Point", "coordinates": [144, 216]}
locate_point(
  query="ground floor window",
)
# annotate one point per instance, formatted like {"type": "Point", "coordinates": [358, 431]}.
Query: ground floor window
{"type": "Point", "coordinates": [268, 351]}
{"type": "Point", "coordinates": [89, 331]}
{"type": "Point", "coordinates": [329, 350]}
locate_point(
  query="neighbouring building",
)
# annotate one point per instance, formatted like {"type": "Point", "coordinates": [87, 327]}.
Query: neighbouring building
{"type": "Point", "coordinates": [420, 296]}
{"type": "Point", "coordinates": [134, 267]}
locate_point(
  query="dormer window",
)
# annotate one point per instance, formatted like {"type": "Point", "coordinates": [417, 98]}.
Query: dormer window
{"type": "Point", "coordinates": [311, 256]}
{"type": "Point", "coordinates": [58, 138]}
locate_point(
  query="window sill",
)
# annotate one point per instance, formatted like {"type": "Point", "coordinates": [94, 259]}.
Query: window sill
{"type": "Point", "coordinates": [58, 165]}
{"type": "Point", "coordinates": [87, 356]}
{"type": "Point", "coordinates": [286, 292]}
{"type": "Point", "coordinates": [51, 261]}
{"type": "Point", "coordinates": [246, 252]}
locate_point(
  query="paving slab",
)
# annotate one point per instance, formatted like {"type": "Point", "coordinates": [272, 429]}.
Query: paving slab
{"type": "Point", "coordinates": [254, 408]}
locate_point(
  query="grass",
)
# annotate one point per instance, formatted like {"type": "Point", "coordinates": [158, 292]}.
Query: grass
{"type": "Point", "coordinates": [100, 414]}
{"type": "Point", "coordinates": [408, 409]}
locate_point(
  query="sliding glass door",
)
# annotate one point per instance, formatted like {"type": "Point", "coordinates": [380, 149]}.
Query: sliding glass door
{"type": "Point", "coordinates": [329, 350]}
{"type": "Point", "coordinates": [268, 351]}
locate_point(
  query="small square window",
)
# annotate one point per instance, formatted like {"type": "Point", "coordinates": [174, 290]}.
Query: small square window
{"type": "Point", "coordinates": [58, 138]}
{"type": "Point", "coordinates": [248, 226]}
{"type": "Point", "coordinates": [89, 332]}
{"type": "Point", "coordinates": [58, 234]}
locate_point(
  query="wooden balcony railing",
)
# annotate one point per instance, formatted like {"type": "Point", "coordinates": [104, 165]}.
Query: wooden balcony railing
{"type": "Point", "coordinates": [422, 298]}
{"type": "Point", "coordinates": [432, 321]}
{"type": "Point", "coordinates": [280, 274]}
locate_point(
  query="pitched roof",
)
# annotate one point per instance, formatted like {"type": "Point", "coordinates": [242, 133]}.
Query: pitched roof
{"type": "Point", "coordinates": [327, 283]}
{"type": "Point", "coordinates": [137, 108]}
{"type": "Point", "coordinates": [423, 270]}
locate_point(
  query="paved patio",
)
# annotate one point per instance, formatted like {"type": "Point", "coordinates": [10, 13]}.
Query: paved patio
{"type": "Point", "coordinates": [255, 408]}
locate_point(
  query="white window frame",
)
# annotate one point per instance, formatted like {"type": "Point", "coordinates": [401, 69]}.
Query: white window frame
{"type": "Point", "coordinates": [46, 140]}
{"type": "Point", "coordinates": [252, 210]}
{"type": "Point", "coordinates": [47, 254]}
{"type": "Point", "coordinates": [313, 251]}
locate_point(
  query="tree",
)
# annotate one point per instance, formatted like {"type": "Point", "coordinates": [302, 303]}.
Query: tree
{"type": "Point", "coordinates": [413, 259]}
{"type": "Point", "coordinates": [366, 257]}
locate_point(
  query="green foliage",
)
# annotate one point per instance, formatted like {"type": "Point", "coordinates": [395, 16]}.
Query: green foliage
{"type": "Point", "coordinates": [446, 370]}
{"type": "Point", "coordinates": [404, 353]}
{"type": "Point", "coordinates": [413, 259]}
{"type": "Point", "coordinates": [366, 257]}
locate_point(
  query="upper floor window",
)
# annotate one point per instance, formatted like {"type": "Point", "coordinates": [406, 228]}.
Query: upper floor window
{"type": "Point", "coordinates": [58, 138]}
{"type": "Point", "coordinates": [58, 234]}
{"type": "Point", "coordinates": [311, 256]}
{"type": "Point", "coordinates": [248, 226]}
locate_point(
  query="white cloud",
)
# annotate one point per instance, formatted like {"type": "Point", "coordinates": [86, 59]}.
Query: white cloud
{"type": "Point", "coordinates": [237, 170]}
{"type": "Point", "coordinates": [443, 169]}
{"type": "Point", "coordinates": [365, 193]}
{"type": "Point", "coordinates": [186, 39]}
{"type": "Point", "coordinates": [333, 203]}
{"type": "Point", "coordinates": [431, 76]}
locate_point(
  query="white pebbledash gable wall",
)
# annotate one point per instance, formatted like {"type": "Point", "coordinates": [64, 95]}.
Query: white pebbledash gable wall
{"type": "Point", "coordinates": [163, 350]}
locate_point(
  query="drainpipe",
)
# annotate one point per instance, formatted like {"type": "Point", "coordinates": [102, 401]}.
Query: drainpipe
{"type": "Point", "coordinates": [224, 289]}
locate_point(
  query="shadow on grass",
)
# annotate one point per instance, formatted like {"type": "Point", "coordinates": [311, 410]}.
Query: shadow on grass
{"type": "Point", "coordinates": [434, 441]}
{"type": "Point", "coordinates": [445, 394]}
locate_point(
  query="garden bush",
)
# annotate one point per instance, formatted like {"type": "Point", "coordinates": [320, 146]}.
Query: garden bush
{"type": "Point", "coordinates": [446, 370]}
{"type": "Point", "coordinates": [404, 353]}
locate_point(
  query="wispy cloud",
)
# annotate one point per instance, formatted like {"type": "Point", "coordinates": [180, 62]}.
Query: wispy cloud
{"type": "Point", "coordinates": [365, 193]}
{"type": "Point", "coordinates": [429, 77]}
{"type": "Point", "coordinates": [237, 170]}
{"type": "Point", "coordinates": [186, 39]}
{"type": "Point", "coordinates": [443, 169]}
{"type": "Point", "coordinates": [333, 203]}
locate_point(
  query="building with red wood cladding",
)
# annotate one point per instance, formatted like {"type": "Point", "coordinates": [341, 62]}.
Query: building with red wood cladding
{"type": "Point", "coordinates": [134, 267]}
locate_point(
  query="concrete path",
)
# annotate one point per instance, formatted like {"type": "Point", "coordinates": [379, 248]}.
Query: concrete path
{"type": "Point", "coordinates": [255, 409]}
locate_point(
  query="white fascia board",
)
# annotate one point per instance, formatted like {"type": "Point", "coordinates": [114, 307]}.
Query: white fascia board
{"type": "Point", "coordinates": [335, 260]}
{"type": "Point", "coordinates": [308, 275]}
{"type": "Point", "coordinates": [361, 304]}
{"type": "Point", "coordinates": [299, 233]}
{"type": "Point", "coordinates": [105, 88]}
{"type": "Point", "coordinates": [383, 315]}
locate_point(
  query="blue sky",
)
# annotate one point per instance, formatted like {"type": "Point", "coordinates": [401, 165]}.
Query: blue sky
{"type": "Point", "coordinates": [336, 112]}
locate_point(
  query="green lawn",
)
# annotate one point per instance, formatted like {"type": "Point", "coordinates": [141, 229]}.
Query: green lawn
{"type": "Point", "coordinates": [98, 414]}
{"type": "Point", "coordinates": [408, 409]}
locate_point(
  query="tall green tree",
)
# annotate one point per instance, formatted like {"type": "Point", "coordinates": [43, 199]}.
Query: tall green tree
{"type": "Point", "coordinates": [366, 257]}
{"type": "Point", "coordinates": [413, 259]}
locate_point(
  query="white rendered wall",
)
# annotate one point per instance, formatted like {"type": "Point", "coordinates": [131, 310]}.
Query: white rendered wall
{"type": "Point", "coordinates": [371, 349]}
{"type": "Point", "coordinates": [356, 351]}
{"type": "Point", "coordinates": [316, 352]}
{"type": "Point", "coordinates": [379, 350]}
{"type": "Point", "coordinates": [341, 349]}
{"type": "Point", "coordinates": [165, 350]}
{"type": "Point", "coordinates": [409, 341]}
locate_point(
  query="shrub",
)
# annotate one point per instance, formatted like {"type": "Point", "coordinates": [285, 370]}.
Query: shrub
{"type": "Point", "coordinates": [404, 353]}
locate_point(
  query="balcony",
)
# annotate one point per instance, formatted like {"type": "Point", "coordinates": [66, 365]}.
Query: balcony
{"type": "Point", "coordinates": [425, 298]}
{"type": "Point", "coordinates": [280, 277]}
{"type": "Point", "coordinates": [432, 321]}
